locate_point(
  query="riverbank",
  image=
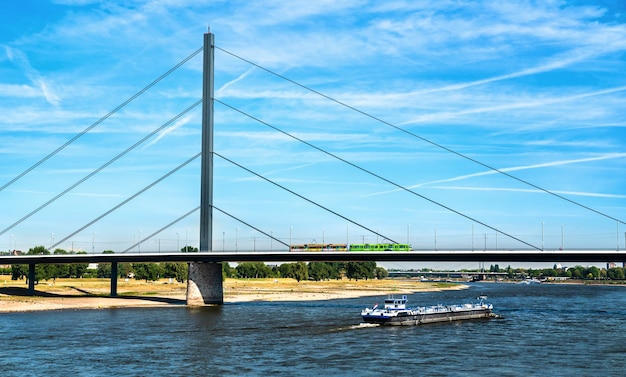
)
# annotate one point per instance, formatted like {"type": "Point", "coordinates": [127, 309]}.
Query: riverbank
{"type": "Point", "coordinates": [92, 293]}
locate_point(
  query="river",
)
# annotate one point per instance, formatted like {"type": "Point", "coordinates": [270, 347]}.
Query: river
{"type": "Point", "coordinates": [545, 330]}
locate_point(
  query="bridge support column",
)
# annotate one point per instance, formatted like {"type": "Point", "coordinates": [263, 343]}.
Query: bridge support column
{"type": "Point", "coordinates": [113, 279]}
{"type": "Point", "coordinates": [31, 279]}
{"type": "Point", "coordinates": [204, 285]}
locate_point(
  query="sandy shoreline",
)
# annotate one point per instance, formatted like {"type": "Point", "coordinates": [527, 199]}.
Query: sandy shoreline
{"type": "Point", "coordinates": [80, 294]}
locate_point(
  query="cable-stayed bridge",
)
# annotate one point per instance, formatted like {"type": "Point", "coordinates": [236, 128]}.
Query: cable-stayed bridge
{"type": "Point", "coordinates": [532, 252]}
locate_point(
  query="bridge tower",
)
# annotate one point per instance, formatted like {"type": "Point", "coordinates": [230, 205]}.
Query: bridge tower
{"type": "Point", "coordinates": [204, 285]}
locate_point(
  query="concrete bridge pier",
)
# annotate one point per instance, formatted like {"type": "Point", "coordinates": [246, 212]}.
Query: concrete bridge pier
{"type": "Point", "coordinates": [114, 279]}
{"type": "Point", "coordinates": [204, 285]}
{"type": "Point", "coordinates": [31, 279]}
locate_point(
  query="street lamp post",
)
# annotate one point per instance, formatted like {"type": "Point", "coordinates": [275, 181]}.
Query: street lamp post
{"type": "Point", "coordinates": [408, 234]}
{"type": "Point", "coordinates": [617, 235]}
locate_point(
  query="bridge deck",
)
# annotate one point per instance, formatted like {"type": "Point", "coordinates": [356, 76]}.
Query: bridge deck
{"type": "Point", "coordinates": [581, 256]}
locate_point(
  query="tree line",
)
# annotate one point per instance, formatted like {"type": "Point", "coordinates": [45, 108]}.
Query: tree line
{"type": "Point", "coordinates": [142, 271]}
{"type": "Point", "coordinates": [178, 270]}
{"type": "Point", "coordinates": [576, 272]}
{"type": "Point", "coordinates": [308, 271]}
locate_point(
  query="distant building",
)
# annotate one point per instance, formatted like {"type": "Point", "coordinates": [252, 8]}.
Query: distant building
{"type": "Point", "coordinates": [10, 252]}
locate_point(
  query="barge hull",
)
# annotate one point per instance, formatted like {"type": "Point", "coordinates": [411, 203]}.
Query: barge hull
{"type": "Point", "coordinates": [412, 320]}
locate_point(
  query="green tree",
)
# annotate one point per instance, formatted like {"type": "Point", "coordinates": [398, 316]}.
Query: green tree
{"type": "Point", "coordinates": [254, 270]}
{"type": "Point", "coordinates": [301, 271]}
{"type": "Point", "coordinates": [189, 249]}
{"type": "Point", "coordinates": [178, 271]}
{"type": "Point", "coordinates": [616, 273]}
{"type": "Point", "coordinates": [19, 271]}
{"type": "Point", "coordinates": [509, 272]}
{"type": "Point", "coordinates": [286, 270]}
{"type": "Point", "coordinates": [320, 271]}
{"type": "Point", "coordinates": [59, 270]}
{"type": "Point", "coordinates": [148, 271]}
{"type": "Point", "coordinates": [38, 250]}
{"type": "Point", "coordinates": [125, 270]}
{"type": "Point", "coordinates": [594, 272]}
{"type": "Point", "coordinates": [360, 270]}
{"type": "Point", "coordinates": [104, 269]}
{"type": "Point", "coordinates": [78, 270]}
{"type": "Point", "coordinates": [567, 274]}
{"type": "Point", "coordinates": [380, 273]}
{"type": "Point", "coordinates": [227, 271]}
{"type": "Point", "coordinates": [337, 270]}
{"type": "Point", "coordinates": [298, 271]}
{"type": "Point", "coordinates": [495, 268]}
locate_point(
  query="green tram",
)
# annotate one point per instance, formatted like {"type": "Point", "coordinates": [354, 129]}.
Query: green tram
{"type": "Point", "coordinates": [352, 247]}
{"type": "Point", "coordinates": [380, 247]}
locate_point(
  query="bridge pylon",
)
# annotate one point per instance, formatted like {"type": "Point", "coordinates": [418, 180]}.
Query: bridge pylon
{"type": "Point", "coordinates": [204, 282]}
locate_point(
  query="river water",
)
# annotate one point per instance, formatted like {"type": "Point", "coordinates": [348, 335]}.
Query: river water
{"type": "Point", "coordinates": [545, 330]}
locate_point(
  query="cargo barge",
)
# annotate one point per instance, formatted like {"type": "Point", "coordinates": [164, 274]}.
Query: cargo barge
{"type": "Point", "coordinates": [395, 312]}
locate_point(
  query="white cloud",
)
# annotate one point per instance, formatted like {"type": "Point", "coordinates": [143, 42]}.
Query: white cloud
{"type": "Point", "coordinates": [20, 59]}
{"type": "Point", "coordinates": [179, 123]}
{"type": "Point", "coordinates": [442, 116]}
{"type": "Point", "coordinates": [21, 90]}
{"type": "Point", "coordinates": [507, 189]}
{"type": "Point", "coordinates": [511, 169]}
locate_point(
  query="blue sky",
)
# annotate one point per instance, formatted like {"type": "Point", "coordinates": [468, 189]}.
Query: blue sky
{"type": "Point", "coordinates": [534, 89]}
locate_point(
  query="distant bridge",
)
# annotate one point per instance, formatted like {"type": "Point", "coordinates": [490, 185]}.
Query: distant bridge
{"type": "Point", "coordinates": [450, 274]}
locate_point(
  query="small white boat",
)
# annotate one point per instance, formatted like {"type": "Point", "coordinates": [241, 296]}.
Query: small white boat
{"type": "Point", "coordinates": [395, 312]}
{"type": "Point", "coordinates": [530, 281]}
